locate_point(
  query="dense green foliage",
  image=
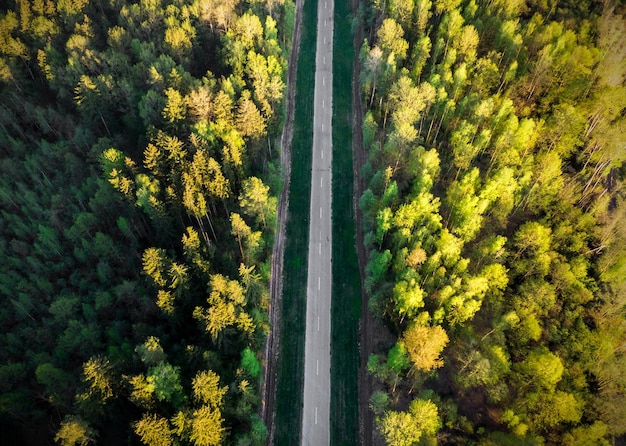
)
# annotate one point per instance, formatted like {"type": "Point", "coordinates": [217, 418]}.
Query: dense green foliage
{"type": "Point", "coordinates": [137, 187]}
{"type": "Point", "coordinates": [494, 219]}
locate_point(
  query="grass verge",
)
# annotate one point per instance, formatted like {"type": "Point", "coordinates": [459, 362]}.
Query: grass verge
{"type": "Point", "coordinates": [346, 292]}
{"type": "Point", "coordinates": [290, 371]}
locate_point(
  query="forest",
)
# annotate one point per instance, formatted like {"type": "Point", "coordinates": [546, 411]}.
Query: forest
{"type": "Point", "coordinates": [138, 180]}
{"type": "Point", "coordinates": [494, 218]}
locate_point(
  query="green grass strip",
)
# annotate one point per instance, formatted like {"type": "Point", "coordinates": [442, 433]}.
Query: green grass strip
{"type": "Point", "coordinates": [346, 291]}
{"type": "Point", "coordinates": [289, 386]}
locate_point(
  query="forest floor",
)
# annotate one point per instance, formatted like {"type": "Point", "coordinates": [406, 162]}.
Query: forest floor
{"type": "Point", "coordinates": [366, 418]}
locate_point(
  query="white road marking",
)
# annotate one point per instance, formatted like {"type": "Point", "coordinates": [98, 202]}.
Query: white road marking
{"type": "Point", "coordinates": [321, 182]}
{"type": "Point", "coordinates": [317, 366]}
{"type": "Point", "coordinates": [320, 248]}
{"type": "Point", "coordinates": [319, 284]}
{"type": "Point", "coordinates": [324, 22]}
{"type": "Point", "coordinates": [323, 103]}
{"type": "Point", "coordinates": [320, 212]}
{"type": "Point", "coordinates": [318, 323]}
{"type": "Point", "coordinates": [322, 128]}
{"type": "Point", "coordinates": [323, 81]}
{"type": "Point", "coordinates": [324, 60]}
{"type": "Point", "coordinates": [322, 153]}
{"type": "Point", "coordinates": [325, 5]}
{"type": "Point", "coordinates": [315, 414]}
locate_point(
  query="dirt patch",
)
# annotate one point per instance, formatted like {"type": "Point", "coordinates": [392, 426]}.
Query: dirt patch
{"type": "Point", "coordinates": [360, 157]}
{"type": "Point", "coordinates": [272, 347]}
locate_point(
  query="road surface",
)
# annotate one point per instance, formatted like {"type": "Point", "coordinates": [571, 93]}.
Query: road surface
{"type": "Point", "coordinates": [316, 410]}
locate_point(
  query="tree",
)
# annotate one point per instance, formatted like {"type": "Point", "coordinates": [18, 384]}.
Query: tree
{"type": "Point", "coordinates": [256, 201]}
{"type": "Point", "coordinates": [166, 381]}
{"type": "Point", "coordinates": [408, 297]}
{"type": "Point", "coordinates": [251, 240]}
{"type": "Point", "coordinates": [154, 430]}
{"type": "Point", "coordinates": [206, 388]}
{"type": "Point", "coordinates": [379, 402]}
{"type": "Point", "coordinates": [532, 238]}
{"type": "Point", "coordinates": [391, 41]}
{"type": "Point", "coordinates": [206, 427]}
{"type": "Point", "coordinates": [424, 346]}
{"type": "Point", "coordinates": [155, 265]}
{"type": "Point", "coordinates": [175, 107]}
{"type": "Point", "coordinates": [383, 224]}
{"type": "Point", "coordinates": [250, 122]}
{"type": "Point", "coordinates": [226, 307]}
{"type": "Point", "coordinates": [250, 363]}
{"type": "Point", "coordinates": [542, 368]}
{"type": "Point", "coordinates": [407, 428]}
{"type": "Point", "coordinates": [151, 352]}
{"type": "Point", "coordinates": [74, 431]}
{"type": "Point", "coordinates": [179, 37]}
{"type": "Point", "coordinates": [550, 409]}
{"type": "Point", "coordinates": [98, 374]}
{"type": "Point", "coordinates": [266, 75]}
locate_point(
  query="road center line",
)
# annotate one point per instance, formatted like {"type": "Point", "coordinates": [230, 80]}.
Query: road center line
{"type": "Point", "coordinates": [317, 366]}
{"type": "Point", "coordinates": [320, 212]}
{"type": "Point", "coordinates": [318, 323]}
{"type": "Point", "coordinates": [319, 284]}
{"type": "Point", "coordinates": [320, 248]}
{"type": "Point", "coordinates": [323, 103]}
{"type": "Point", "coordinates": [315, 414]}
{"type": "Point", "coordinates": [322, 182]}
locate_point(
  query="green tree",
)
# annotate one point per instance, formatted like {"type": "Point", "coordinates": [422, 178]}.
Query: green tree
{"type": "Point", "coordinates": [542, 368]}
{"type": "Point", "coordinates": [379, 402]}
{"type": "Point", "coordinates": [250, 363]}
{"type": "Point", "coordinates": [407, 428]}
{"type": "Point", "coordinates": [391, 39]}
{"type": "Point", "coordinates": [166, 381]}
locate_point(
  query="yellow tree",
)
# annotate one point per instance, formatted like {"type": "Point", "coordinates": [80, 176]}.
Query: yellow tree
{"type": "Point", "coordinates": [74, 431]}
{"type": "Point", "coordinates": [424, 346]}
{"type": "Point", "coordinates": [256, 201]}
{"type": "Point", "coordinates": [206, 427]}
{"type": "Point", "coordinates": [154, 431]}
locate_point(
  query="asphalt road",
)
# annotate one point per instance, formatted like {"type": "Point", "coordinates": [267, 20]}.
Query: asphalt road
{"type": "Point", "coordinates": [316, 410]}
